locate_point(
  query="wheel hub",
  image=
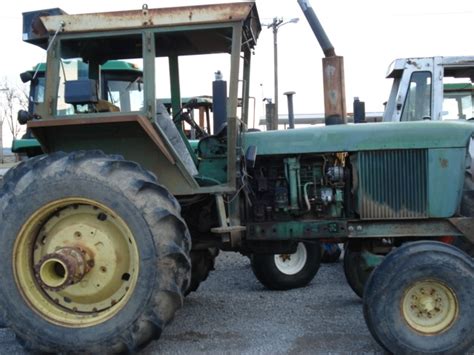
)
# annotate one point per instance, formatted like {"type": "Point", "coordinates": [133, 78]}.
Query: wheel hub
{"type": "Point", "coordinates": [429, 307]}
{"type": "Point", "coordinates": [77, 262]}
{"type": "Point", "coordinates": [291, 264]}
{"type": "Point", "coordinates": [66, 266]}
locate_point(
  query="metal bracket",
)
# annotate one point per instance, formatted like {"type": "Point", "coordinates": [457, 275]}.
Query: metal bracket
{"type": "Point", "coordinates": [230, 234]}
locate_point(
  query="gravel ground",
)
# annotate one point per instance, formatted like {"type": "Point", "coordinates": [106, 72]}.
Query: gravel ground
{"type": "Point", "coordinates": [231, 313]}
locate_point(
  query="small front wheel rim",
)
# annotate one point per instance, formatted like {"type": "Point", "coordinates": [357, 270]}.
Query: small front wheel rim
{"type": "Point", "coordinates": [429, 307]}
{"type": "Point", "coordinates": [75, 262]}
{"type": "Point", "coordinates": [291, 264]}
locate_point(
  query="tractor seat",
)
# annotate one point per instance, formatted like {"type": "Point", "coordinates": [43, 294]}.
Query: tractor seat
{"type": "Point", "coordinates": [84, 92]}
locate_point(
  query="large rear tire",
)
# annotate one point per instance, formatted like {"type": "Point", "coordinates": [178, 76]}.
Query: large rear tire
{"type": "Point", "coordinates": [95, 255]}
{"type": "Point", "coordinates": [288, 271]}
{"type": "Point", "coordinates": [419, 300]}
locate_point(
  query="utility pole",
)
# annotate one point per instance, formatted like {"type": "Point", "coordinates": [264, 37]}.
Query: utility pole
{"type": "Point", "coordinates": [276, 22]}
{"type": "Point", "coordinates": [275, 25]}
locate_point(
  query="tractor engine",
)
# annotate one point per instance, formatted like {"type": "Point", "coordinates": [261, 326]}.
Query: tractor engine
{"type": "Point", "coordinates": [306, 186]}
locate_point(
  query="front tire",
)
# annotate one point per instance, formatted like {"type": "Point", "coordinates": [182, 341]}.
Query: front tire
{"type": "Point", "coordinates": [356, 268]}
{"type": "Point", "coordinates": [288, 271]}
{"type": "Point", "coordinates": [95, 254]}
{"type": "Point", "coordinates": [419, 300]}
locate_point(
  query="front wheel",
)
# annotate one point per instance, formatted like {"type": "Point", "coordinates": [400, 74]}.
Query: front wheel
{"type": "Point", "coordinates": [419, 300]}
{"type": "Point", "coordinates": [95, 255]}
{"type": "Point", "coordinates": [288, 271]}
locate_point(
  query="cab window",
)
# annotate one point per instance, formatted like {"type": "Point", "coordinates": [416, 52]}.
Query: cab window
{"type": "Point", "coordinates": [418, 101]}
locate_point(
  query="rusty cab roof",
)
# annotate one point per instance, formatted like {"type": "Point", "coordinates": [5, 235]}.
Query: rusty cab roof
{"type": "Point", "coordinates": [199, 25]}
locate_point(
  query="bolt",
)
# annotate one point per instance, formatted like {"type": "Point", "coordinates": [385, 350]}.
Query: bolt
{"type": "Point", "coordinates": [84, 283]}
{"type": "Point", "coordinates": [351, 228]}
{"type": "Point", "coordinates": [359, 228]}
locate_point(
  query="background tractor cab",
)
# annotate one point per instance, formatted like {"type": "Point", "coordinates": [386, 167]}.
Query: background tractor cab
{"type": "Point", "coordinates": [432, 88]}
{"type": "Point", "coordinates": [121, 83]}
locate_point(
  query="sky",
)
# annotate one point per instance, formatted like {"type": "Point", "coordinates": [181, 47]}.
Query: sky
{"type": "Point", "coordinates": [369, 34]}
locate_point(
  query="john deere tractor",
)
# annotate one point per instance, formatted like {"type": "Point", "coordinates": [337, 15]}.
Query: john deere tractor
{"type": "Point", "coordinates": [99, 235]}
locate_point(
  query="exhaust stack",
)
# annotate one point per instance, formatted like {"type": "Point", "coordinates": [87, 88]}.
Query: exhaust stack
{"type": "Point", "coordinates": [333, 70]}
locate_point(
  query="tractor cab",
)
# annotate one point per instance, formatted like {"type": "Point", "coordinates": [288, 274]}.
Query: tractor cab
{"type": "Point", "coordinates": [82, 106]}
{"type": "Point", "coordinates": [433, 88]}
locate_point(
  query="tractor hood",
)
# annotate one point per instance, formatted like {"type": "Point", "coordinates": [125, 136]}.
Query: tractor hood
{"type": "Point", "coordinates": [362, 137]}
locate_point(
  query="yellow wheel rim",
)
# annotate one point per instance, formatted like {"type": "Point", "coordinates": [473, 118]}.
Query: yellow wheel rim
{"type": "Point", "coordinates": [429, 307]}
{"type": "Point", "coordinates": [75, 262]}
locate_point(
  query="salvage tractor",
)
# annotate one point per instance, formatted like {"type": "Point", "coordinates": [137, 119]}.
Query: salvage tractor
{"type": "Point", "coordinates": [103, 234]}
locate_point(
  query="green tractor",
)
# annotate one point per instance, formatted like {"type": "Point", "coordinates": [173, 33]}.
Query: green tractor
{"type": "Point", "coordinates": [98, 236]}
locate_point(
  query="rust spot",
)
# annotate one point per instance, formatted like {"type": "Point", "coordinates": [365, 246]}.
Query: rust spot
{"type": "Point", "coordinates": [443, 163]}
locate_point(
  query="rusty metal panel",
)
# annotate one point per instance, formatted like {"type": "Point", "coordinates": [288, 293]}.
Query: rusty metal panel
{"type": "Point", "coordinates": [426, 228]}
{"type": "Point", "coordinates": [38, 127]}
{"type": "Point", "coordinates": [393, 184]}
{"type": "Point", "coordinates": [334, 88]}
{"type": "Point", "coordinates": [161, 17]}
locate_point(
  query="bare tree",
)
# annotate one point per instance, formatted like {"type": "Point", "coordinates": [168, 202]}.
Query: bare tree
{"type": "Point", "coordinates": [13, 98]}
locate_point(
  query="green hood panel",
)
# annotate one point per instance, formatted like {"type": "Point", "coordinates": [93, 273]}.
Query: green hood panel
{"type": "Point", "coordinates": [362, 137]}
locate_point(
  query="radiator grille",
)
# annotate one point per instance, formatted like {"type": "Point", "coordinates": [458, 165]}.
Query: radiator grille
{"type": "Point", "coordinates": [392, 184]}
